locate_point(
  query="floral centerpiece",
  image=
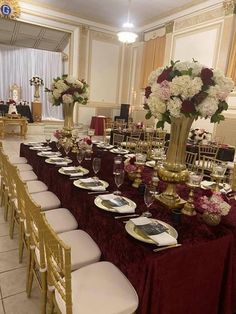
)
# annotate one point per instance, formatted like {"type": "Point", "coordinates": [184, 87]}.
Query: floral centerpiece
{"type": "Point", "coordinates": [189, 89]}
{"type": "Point", "coordinates": [85, 143]}
{"type": "Point", "coordinates": [36, 81]}
{"type": "Point", "coordinates": [214, 207]}
{"type": "Point", "coordinates": [11, 102]}
{"type": "Point", "coordinates": [178, 94]}
{"type": "Point", "coordinates": [68, 90]}
{"type": "Point", "coordinates": [197, 135]}
{"type": "Point", "coordinates": [130, 167]}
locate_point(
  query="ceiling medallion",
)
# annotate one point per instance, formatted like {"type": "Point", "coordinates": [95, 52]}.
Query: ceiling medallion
{"type": "Point", "coordinates": [10, 9]}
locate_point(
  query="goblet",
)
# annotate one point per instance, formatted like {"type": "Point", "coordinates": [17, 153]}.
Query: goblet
{"type": "Point", "coordinates": [117, 164]}
{"type": "Point", "coordinates": [67, 148]}
{"type": "Point", "coordinates": [218, 173]}
{"type": "Point", "coordinates": [96, 166]}
{"type": "Point", "coordinates": [119, 179]}
{"type": "Point", "coordinates": [80, 156]}
{"type": "Point", "coordinates": [149, 197]}
{"type": "Point", "coordinates": [58, 145]}
{"type": "Point", "coordinates": [48, 139]}
{"type": "Point", "coordinates": [140, 162]}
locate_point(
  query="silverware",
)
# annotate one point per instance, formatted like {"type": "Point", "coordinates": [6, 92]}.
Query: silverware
{"type": "Point", "coordinates": [167, 247]}
{"type": "Point", "coordinates": [75, 178]}
{"type": "Point", "coordinates": [98, 192]}
{"type": "Point", "coordinates": [126, 216]}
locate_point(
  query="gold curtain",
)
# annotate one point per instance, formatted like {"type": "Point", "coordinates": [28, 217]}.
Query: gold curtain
{"type": "Point", "coordinates": [231, 71]}
{"type": "Point", "coordinates": [153, 57]}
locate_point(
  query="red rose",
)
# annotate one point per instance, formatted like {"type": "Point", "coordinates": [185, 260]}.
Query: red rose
{"type": "Point", "coordinates": [206, 76]}
{"type": "Point", "coordinates": [89, 142]}
{"type": "Point", "coordinates": [164, 76]}
{"type": "Point", "coordinates": [148, 91]}
{"type": "Point", "coordinates": [132, 160]}
{"type": "Point", "coordinates": [188, 106]}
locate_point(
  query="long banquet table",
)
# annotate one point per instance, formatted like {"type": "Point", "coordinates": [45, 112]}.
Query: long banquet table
{"type": "Point", "coordinates": [198, 277]}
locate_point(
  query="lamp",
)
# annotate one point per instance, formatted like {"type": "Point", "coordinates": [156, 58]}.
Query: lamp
{"type": "Point", "coordinates": [127, 35]}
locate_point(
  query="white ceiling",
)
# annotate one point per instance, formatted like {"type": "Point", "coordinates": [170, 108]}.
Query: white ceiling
{"type": "Point", "coordinates": [114, 12]}
{"type": "Point", "coordinates": [109, 12]}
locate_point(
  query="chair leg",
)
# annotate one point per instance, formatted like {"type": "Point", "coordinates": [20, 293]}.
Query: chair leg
{"type": "Point", "coordinates": [44, 292]}
{"type": "Point", "coordinates": [6, 205]}
{"type": "Point", "coordinates": [30, 274]}
{"type": "Point", "coordinates": [12, 214]}
{"type": "Point", "coordinates": [21, 242]}
{"type": "Point", "coordinates": [50, 303]}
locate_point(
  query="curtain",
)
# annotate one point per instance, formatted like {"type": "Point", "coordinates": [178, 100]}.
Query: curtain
{"type": "Point", "coordinates": [231, 71]}
{"type": "Point", "coordinates": [19, 65]}
{"type": "Point", "coordinates": [153, 57]}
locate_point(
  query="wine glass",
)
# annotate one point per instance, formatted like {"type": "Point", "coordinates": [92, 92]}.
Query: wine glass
{"type": "Point", "coordinates": [80, 156]}
{"type": "Point", "coordinates": [48, 139]}
{"type": "Point", "coordinates": [117, 163]}
{"type": "Point", "coordinates": [119, 179]}
{"type": "Point", "coordinates": [149, 197]}
{"type": "Point", "coordinates": [58, 145]}
{"type": "Point", "coordinates": [67, 148]}
{"type": "Point", "coordinates": [96, 166]}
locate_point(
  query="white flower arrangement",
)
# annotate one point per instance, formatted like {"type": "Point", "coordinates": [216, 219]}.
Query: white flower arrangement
{"type": "Point", "coordinates": [68, 90]}
{"type": "Point", "coordinates": [189, 89]}
{"type": "Point", "coordinates": [36, 81]}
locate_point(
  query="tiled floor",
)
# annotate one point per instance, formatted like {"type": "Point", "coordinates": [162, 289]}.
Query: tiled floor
{"type": "Point", "coordinates": [13, 298]}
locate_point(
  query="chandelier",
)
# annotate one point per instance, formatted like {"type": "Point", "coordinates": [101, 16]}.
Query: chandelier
{"type": "Point", "coordinates": [127, 35]}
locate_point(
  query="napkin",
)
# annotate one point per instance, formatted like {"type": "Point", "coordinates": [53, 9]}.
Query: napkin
{"type": "Point", "coordinates": [72, 171]}
{"type": "Point", "coordinates": [207, 184]}
{"type": "Point", "coordinates": [115, 200]}
{"type": "Point", "coordinates": [92, 184]}
{"type": "Point", "coordinates": [61, 163]}
{"type": "Point", "coordinates": [49, 153]}
{"type": "Point", "coordinates": [161, 239]}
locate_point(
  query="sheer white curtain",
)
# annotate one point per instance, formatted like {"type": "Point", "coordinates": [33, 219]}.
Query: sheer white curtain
{"type": "Point", "coordinates": [19, 65]}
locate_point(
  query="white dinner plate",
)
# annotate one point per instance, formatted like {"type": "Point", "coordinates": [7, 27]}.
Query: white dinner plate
{"type": "Point", "coordinates": [49, 154]}
{"type": "Point", "coordinates": [129, 155]}
{"type": "Point", "coordinates": [106, 146]}
{"type": "Point", "coordinates": [34, 143]}
{"type": "Point", "coordinates": [81, 171]}
{"type": "Point", "coordinates": [41, 148]}
{"type": "Point", "coordinates": [130, 228]}
{"type": "Point", "coordinates": [119, 151]}
{"type": "Point", "coordinates": [98, 203]}
{"type": "Point", "coordinates": [56, 160]}
{"type": "Point", "coordinates": [150, 163]}
{"type": "Point", "coordinates": [81, 186]}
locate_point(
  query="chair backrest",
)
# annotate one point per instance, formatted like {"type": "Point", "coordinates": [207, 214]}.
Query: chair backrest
{"type": "Point", "coordinates": [15, 93]}
{"type": "Point", "coordinates": [190, 160]}
{"type": "Point", "coordinates": [58, 256]}
{"type": "Point", "coordinates": [207, 150]}
{"type": "Point", "coordinates": [233, 178]}
{"type": "Point", "coordinates": [132, 143]}
{"type": "Point", "coordinates": [118, 138]}
{"type": "Point", "coordinates": [207, 165]}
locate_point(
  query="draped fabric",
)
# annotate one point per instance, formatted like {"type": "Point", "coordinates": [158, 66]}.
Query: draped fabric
{"type": "Point", "coordinates": [231, 71]}
{"type": "Point", "coordinates": [19, 65]}
{"type": "Point", "coordinates": [153, 57]}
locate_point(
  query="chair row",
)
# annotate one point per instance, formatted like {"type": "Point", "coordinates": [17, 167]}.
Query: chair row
{"type": "Point", "coordinates": [63, 260]}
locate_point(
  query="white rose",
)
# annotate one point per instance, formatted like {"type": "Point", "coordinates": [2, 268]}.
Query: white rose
{"type": "Point", "coordinates": [61, 85]}
{"type": "Point", "coordinates": [185, 86]}
{"type": "Point", "coordinates": [70, 79]}
{"type": "Point", "coordinates": [57, 93]}
{"type": "Point", "coordinates": [154, 75]}
{"type": "Point", "coordinates": [67, 99]}
{"type": "Point", "coordinates": [208, 107]}
{"type": "Point", "coordinates": [79, 84]}
{"type": "Point", "coordinates": [157, 106]}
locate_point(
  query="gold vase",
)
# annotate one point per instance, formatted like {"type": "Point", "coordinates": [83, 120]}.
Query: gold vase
{"type": "Point", "coordinates": [36, 93]}
{"type": "Point", "coordinates": [211, 219]}
{"type": "Point", "coordinates": [174, 169]}
{"type": "Point", "coordinates": [68, 110]}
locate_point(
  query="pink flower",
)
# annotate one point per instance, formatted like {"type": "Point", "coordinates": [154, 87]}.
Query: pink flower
{"type": "Point", "coordinates": [164, 92]}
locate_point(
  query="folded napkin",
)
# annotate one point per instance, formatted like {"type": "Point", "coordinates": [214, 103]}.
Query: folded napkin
{"type": "Point", "coordinates": [161, 238]}
{"type": "Point", "coordinates": [49, 153]}
{"type": "Point", "coordinates": [92, 184]}
{"type": "Point", "coordinates": [61, 163]}
{"type": "Point", "coordinates": [72, 171]}
{"type": "Point", "coordinates": [207, 184]}
{"type": "Point", "coordinates": [119, 204]}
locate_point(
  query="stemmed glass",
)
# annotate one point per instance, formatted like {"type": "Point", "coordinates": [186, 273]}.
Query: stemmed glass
{"type": "Point", "coordinates": [96, 166]}
{"type": "Point", "coordinates": [67, 148]}
{"type": "Point", "coordinates": [80, 156]}
{"type": "Point", "coordinates": [48, 139]}
{"type": "Point", "coordinates": [117, 163]}
{"type": "Point", "coordinates": [149, 196]}
{"type": "Point", "coordinates": [119, 179]}
{"type": "Point", "coordinates": [58, 145]}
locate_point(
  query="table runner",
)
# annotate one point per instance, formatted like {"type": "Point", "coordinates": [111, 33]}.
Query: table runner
{"type": "Point", "coordinates": [195, 278]}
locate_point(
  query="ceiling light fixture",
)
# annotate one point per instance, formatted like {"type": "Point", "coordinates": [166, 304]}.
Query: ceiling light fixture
{"type": "Point", "coordinates": [127, 35]}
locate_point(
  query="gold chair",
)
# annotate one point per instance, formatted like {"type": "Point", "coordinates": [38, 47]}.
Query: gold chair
{"type": "Point", "coordinates": [97, 288]}
{"type": "Point", "coordinates": [118, 139]}
{"type": "Point", "coordinates": [207, 165]}
{"type": "Point", "coordinates": [207, 150]}
{"type": "Point", "coordinates": [159, 139]}
{"type": "Point", "coordinates": [108, 126]}
{"type": "Point", "coordinates": [131, 143]}
{"type": "Point", "coordinates": [233, 178]}
{"type": "Point", "coordinates": [190, 160]}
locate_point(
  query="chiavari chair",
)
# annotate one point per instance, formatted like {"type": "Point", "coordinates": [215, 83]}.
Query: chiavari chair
{"type": "Point", "coordinates": [207, 165]}
{"type": "Point", "coordinates": [108, 126]}
{"type": "Point", "coordinates": [207, 150]}
{"type": "Point", "coordinates": [96, 288]}
{"type": "Point", "coordinates": [118, 139]}
{"type": "Point", "coordinates": [131, 143]}
{"type": "Point", "coordinates": [190, 160]}
{"type": "Point", "coordinates": [159, 139]}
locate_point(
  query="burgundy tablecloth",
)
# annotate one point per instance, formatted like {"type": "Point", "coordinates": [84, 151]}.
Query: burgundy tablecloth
{"type": "Point", "coordinates": [97, 123]}
{"type": "Point", "coordinates": [198, 278]}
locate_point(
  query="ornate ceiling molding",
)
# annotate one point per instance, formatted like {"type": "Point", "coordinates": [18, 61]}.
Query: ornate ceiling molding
{"type": "Point", "coordinates": [229, 7]}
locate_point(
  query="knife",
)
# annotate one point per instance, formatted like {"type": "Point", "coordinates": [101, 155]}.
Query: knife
{"type": "Point", "coordinates": [126, 216]}
{"type": "Point", "coordinates": [167, 247]}
{"type": "Point", "coordinates": [98, 192]}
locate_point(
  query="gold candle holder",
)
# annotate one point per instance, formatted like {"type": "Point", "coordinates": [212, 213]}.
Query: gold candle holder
{"type": "Point", "coordinates": [217, 175]}
{"type": "Point", "coordinates": [140, 161]}
{"type": "Point", "coordinates": [194, 182]}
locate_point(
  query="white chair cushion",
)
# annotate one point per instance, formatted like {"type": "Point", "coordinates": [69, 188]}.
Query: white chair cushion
{"type": "Point", "coordinates": [100, 288]}
{"type": "Point", "coordinates": [46, 200]}
{"type": "Point", "coordinates": [17, 160]}
{"type": "Point", "coordinates": [28, 176]}
{"type": "Point", "coordinates": [84, 250]}
{"type": "Point", "coordinates": [24, 167]}
{"type": "Point", "coordinates": [36, 186]}
{"type": "Point", "coordinates": [61, 220]}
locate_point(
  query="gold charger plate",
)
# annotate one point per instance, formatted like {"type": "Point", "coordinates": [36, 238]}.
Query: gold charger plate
{"type": "Point", "coordinates": [78, 184]}
{"type": "Point", "coordinates": [130, 228]}
{"type": "Point", "coordinates": [98, 203]}
{"type": "Point", "coordinates": [150, 163]}
{"type": "Point", "coordinates": [118, 151]}
{"type": "Point", "coordinates": [81, 173]}
{"type": "Point", "coordinates": [49, 154]}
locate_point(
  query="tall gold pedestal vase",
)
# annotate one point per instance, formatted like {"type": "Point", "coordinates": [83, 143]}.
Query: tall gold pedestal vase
{"type": "Point", "coordinates": [68, 110]}
{"type": "Point", "coordinates": [174, 169]}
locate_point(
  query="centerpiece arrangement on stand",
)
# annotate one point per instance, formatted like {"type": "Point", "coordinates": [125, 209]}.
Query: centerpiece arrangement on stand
{"type": "Point", "coordinates": [36, 81]}
{"type": "Point", "coordinates": [178, 94]}
{"type": "Point", "coordinates": [67, 90]}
